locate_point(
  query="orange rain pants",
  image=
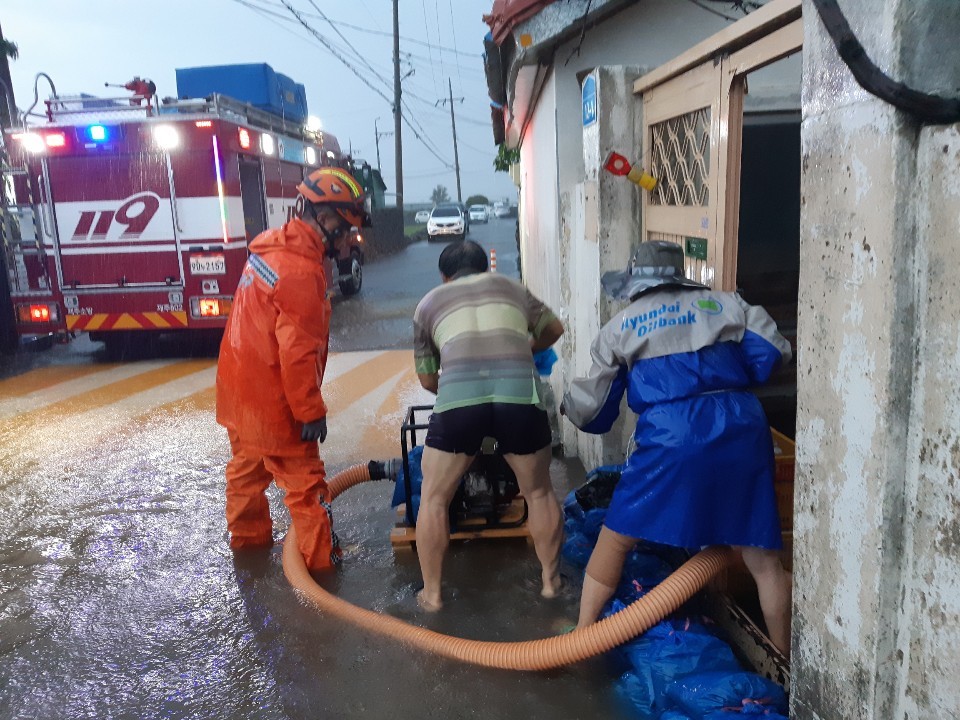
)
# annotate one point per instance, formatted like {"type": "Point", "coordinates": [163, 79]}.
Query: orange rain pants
{"type": "Point", "coordinates": [272, 359]}
{"type": "Point", "coordinates": [249, 474]}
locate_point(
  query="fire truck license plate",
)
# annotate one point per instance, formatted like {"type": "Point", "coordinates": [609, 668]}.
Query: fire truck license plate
{"type": "Point", "coordinates": [207, 265]}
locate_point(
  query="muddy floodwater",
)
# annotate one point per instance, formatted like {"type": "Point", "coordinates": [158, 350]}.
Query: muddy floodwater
{"type": "Point", "coordinates": [119, 597]}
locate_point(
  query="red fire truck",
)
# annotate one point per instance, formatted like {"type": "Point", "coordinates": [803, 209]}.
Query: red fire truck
{"type": "Point", "coordinates": [135, 215]}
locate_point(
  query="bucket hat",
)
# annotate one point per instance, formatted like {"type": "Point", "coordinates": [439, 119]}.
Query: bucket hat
{"type": "Point", "coordinates": [656, 263]}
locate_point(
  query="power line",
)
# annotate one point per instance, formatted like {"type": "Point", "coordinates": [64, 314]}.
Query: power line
{"type": "Point", "coordinates": [436, 10]}
{"type": "Point", "coordinates": [410, 118]}
{"type": "Point", "coordinates": [268, 14]}
{"type": "Point", "coordinates": [453, 25]}
{"type": "Point", "coordinates": [414, 126]}
{"type": "Point", "coordinates": [489, 151]}
{"type": "Point", "coordinates": [424, 59]}
{"type": "Point", "coordinates": [326, 44]}
{"type": "Point", "coordinates": [349, 44]}
{"type": "Point", "coordinates": [433, 72]}
{"type": "Point", "coordinates": [360, 28]}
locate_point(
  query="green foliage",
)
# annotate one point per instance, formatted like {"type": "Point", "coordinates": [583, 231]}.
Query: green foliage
{"type": "Point", "coordinates": [439, 195]}
{"type": "Point", "coordinates": [477, 200]}
{"type": "Point", "coordinates": [505, 158]}
{"type": "Point", "coordinates": [9, 49]}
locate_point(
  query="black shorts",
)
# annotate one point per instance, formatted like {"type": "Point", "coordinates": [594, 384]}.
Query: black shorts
{"type": "Point", "coordinates": [518, 429]}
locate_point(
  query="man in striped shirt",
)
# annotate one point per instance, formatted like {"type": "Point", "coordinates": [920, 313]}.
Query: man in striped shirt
{"type": "Point", "coordinates": [482, 330]}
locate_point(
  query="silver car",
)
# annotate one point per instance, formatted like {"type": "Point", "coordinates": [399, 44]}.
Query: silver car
{"type": "Point", "coordinates": [478, 213]}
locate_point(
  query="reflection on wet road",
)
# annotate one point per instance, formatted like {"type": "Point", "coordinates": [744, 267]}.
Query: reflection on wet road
{"type": "Point", "coordinates": [120, 599]}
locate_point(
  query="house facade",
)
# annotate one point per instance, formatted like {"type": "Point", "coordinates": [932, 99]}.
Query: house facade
{"type": "Point", "coordinates": [860, 159]}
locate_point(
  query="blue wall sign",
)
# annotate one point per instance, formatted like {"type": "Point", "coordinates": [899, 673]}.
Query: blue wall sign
{"type": "Point", "coordinates": [589, 96]}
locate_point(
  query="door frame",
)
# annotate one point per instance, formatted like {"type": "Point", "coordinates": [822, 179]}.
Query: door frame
{"type": "Point", "coordinates": [713, 74]}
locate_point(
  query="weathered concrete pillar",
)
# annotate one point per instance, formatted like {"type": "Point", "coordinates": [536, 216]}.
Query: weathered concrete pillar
{"type": "Point", "coordinates": [605, 228]}
{"type": "Point", "coordinates": [877, 511]}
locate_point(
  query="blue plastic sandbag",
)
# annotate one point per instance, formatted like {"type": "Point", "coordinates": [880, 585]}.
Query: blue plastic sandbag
{"type": "Point", "coordinates": [634, 693]}
{"type": "Point", "coordinates": [577, 549]}
{"type": "Point", "coordinates": [642, 571]}
{"type": "Point", "coordinates": [707, 693]}
{"type": "Point", "coordinates": [670, 650]}
{"type": "Point", "coordinates": [544, 361]}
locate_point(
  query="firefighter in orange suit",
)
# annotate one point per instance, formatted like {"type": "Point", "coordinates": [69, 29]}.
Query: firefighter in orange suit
{"type": "Point", "coordinates": [272, 360]}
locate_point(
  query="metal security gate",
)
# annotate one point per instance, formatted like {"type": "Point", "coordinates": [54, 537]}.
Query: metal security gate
{"type": "Point", "coordinates": [692, 132]}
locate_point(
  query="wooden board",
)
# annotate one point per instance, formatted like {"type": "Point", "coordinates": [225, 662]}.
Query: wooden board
{"type": "Point", "coordinates": [402, 535]}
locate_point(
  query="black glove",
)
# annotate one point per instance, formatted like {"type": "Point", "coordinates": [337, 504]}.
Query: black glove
{"type": "Point", "coordinates": [314, 431]}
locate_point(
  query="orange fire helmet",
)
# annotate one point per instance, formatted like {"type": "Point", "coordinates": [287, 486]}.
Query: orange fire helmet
{"type": "Point", "coordinates": [338, 189]}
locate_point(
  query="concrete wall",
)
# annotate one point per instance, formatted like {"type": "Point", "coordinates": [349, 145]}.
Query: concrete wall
{"type": "Point", "coordinates": [877, 525]}
{"type": "Point", "coordinates": [606, 224]}
{"type": "Point", "coordinates": [538, 202]}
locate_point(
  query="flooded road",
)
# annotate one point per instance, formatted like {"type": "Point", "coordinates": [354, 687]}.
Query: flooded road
{"type": "Point", "coordinates": [119, 597]}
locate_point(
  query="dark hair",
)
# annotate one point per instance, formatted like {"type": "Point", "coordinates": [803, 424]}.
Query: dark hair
{"type": "Point", "coordinates": [462, 258]}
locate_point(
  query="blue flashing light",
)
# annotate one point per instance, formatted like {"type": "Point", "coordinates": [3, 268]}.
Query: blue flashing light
{"type": "Point", "coordinates": [97, 133]}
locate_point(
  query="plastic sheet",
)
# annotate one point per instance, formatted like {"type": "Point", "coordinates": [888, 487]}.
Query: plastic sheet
{"type": "Point", "coordinates": [674, 648]}
{"type": "Point", "coordinates": [703, 695]}
{"type": "Point", "coordinates": [679, 670]}
{"type": "Point", "coordinates": [544, 361]}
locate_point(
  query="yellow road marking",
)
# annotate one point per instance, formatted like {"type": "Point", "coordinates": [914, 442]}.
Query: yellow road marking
{"type": "Point", "coordinates": [357, 382]}
{"type": "Point", "coordinates": [103, 396]}
{"type": "Point", "coordinates": [382, 439]}
{"type": "Point", "coordinates": [43, 378]}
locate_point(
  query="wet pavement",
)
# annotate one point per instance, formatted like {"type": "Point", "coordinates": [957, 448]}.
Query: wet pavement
{"type": "Point", "coordinates": [119, 597]}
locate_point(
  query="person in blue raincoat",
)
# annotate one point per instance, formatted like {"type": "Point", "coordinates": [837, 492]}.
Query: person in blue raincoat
{"type": "Point", "coordinates": [702, 470]}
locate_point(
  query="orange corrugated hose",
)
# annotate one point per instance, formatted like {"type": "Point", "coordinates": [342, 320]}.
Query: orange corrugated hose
{"type": "Point", "coordinates": [525, 655]}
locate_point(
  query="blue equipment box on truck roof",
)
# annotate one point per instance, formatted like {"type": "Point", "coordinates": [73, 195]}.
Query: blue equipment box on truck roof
{"type": "Point", "coordinates": [254, 83]}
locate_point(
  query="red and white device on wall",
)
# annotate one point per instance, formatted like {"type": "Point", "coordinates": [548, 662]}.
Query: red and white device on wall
{"type": "Point", "coordinates": [119, 218]}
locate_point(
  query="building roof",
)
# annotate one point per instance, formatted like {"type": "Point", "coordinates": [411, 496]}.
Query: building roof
{"type": "Point", "coordinates": [506, 14]}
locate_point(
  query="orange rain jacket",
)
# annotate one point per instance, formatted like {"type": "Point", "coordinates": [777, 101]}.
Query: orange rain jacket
{"type": "Point", "coordinates": [274, 348]}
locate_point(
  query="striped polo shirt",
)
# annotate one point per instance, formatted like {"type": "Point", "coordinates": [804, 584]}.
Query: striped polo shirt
{"type": "Point", "coordinates": [477, 328]}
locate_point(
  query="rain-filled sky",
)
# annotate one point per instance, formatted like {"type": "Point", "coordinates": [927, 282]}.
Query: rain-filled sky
{"type": "Point", "coordinates": [83, 43]}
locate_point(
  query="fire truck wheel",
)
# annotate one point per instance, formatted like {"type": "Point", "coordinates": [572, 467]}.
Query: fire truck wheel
{"type": "Point", "coordinates": [121, 345]}
{"type": "Point", "coordinates": [351, 275]}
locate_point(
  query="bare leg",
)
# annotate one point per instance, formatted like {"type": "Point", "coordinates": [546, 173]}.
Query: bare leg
{"type": "Point", "coordinates": [774, 585]}
{"type": "Point", "coordinates": [603, 573]}
{"type": "Point", "coordinates": [546, 522]}
{"type": "Point", "coordinates": [441, 476]}
{"type": "Point", "coordinates": [592, 599]}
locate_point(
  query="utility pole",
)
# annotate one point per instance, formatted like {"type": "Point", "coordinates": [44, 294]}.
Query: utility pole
{"type": "Point", "coordinates": [397, 140]}
{"type": "Point", "coordinates": [379, 135]}
{"type": "Point", "coordinates": [453, 123]}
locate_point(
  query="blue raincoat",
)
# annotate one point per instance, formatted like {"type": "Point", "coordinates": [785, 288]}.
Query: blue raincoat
{"type": "Point", "coordinates": [702, 470]}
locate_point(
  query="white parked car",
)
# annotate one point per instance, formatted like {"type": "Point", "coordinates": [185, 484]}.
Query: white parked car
{"type": "Point", "coordinates": [478, 213]}
{"type": "Point", "coordinates": [501, 210]}
{"type": "Point", "coordinates": [446, 223]}
{"type": "Point", "coordinates": [422, 216]}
